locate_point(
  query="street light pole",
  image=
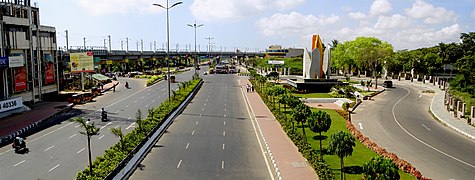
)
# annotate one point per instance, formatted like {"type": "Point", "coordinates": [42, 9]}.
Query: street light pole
{"type": "Point", "coordinates": [195, 57]}
{"type": "Point", "coordinates": [209, 47]}
{"type": "Point", "coordinates": [168, 42]}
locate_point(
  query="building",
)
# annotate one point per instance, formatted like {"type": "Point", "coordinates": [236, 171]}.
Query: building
{"type": "Point", "coordinates": [28, 59]}
{"type": "Point", "coordinates": [278, 52]}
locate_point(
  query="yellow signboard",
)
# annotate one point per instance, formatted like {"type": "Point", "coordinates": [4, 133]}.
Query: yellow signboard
{"type": "Point", "coordinates": [109, 62]}
{"type": "Point", "coordinates": [82, 62]}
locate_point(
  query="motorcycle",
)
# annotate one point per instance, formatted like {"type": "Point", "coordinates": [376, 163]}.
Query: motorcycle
{"type": "Point", "coordinates": [20, 146]}
{"type": "Point", "coordinates": [127, 85]}
{"type": "Point", "coordinates": [104, 116]}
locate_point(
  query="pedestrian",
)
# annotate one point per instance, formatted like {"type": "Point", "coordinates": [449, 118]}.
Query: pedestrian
{"type": "Point", "coordinates": [247, 87]}
{"type": "Point", "coordinates": [113, 88]}
{"type": "Point", "coordinates": [252, 88]}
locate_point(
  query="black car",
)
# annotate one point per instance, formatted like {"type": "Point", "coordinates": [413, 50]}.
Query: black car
{"type": "Point", "coordinates": [272, 74]}
{"type": "Point", "coordinates": [388, 84]}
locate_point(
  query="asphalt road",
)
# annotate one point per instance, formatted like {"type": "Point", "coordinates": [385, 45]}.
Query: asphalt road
{"type": "Point", "coordinates": [213, 138]}
{"type": "Point", "coordinates": [60, 151]}
{"type": "Point", "coordinates": [399, 121]}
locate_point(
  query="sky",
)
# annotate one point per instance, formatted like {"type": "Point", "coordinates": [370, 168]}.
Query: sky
{"type": "Point", "coordinates": [254, 25]}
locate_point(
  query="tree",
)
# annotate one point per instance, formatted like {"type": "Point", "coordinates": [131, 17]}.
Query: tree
{"type": "Point", "coordinates": [319, 122]}
{"type": "Point", "coordinates": [90, 130]}
{"type": "Point", "coordinates": [277, 92]}
{"type": "Point", "coordinates": [380, 168]}
{"type": "Point", "coordinates": [341, 144]}
{"type": "Point", "coordinates": [139, 121]}
{"type": "Point", "coordinates": [118, 133]}
{"type": "Point", "coordinates": [300, 114]}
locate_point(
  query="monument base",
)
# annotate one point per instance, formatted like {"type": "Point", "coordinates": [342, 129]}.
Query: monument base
{"type": "Point", "coordinates": [314, 85]}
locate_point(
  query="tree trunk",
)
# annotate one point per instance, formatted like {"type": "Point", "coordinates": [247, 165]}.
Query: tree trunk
{"type": "Point", "coordinates": [89, 148]}
{"type": "Point", "coordinates": [321, 151]}
{"type": "Point", "coordinates": [341, 170]}
{"type": "Point", "coordinates": [304, 135]}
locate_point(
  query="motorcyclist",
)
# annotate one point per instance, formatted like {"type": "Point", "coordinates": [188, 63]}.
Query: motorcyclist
{"type": "Point", "coordinates": [126, 85]}
{"type": "Point", "coordinates": [19, 143]}
{"type": "Point", "coordinates": [104, 115]}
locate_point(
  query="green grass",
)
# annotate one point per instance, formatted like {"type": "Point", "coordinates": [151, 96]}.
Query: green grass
{"type": "Point", "coordinates": [312, 95]}
{"type": "Point", "coordinates": [361, 154]}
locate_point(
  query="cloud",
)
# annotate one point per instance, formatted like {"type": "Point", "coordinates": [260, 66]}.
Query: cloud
{"type": "Point", "coordinates": [216, 10]}
{"type": "Point", "coordinates": [472, 14]}
{"type": "Point", "coordinates": [102, 7]}
{"type": "Point", "coordinates": [430, 14]}
{"type": "Point", "coordinates": [293, 24]}
{"type": "Point", "coordinates": [357, 15]}
{"type": "Point", "coordinates": [380, 7]}
{"type": "Point", "coordinates": [394, 21]}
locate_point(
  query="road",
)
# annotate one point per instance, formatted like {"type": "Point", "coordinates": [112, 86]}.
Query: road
{"type": "Point", "coordinates": [399, 121]}
{"type": "Point", "coordinates": [214, 138]}
{"type": "Point", "coordinates": [60, 151]}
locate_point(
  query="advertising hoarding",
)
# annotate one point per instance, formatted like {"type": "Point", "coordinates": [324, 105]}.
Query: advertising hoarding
{"type": "Point", "coordinates": [16, 61]}
{"type": "Point", "coordinates": [20, 78]}
{"type": "Point", "coordinates": [82, 62]}
{"type": "Point", "coordinates": [49, 74]}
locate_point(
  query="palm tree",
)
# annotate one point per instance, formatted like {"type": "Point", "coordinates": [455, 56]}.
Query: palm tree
{"type": "Point", "coordinates": [300, 114]}
{"type": "Point", "coordinates": [341, 144]}
{"type": "Point", "coordinates": [380, 168]}
{"type": "Point", "coordinates": [320, 122]}
{"type": "Point", "coordinates": [283, 100]}
{"type": "Point", "coordinates": [118, 133]}
{"type": "Point", "coordinates": [278, 90]}
{"type": "Point", "coordinates": [91, 130]}
{"type": "Point", "coordinates": [139, 120]}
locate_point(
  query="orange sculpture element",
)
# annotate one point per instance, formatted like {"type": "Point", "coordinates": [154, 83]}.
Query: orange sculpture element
{"type": "Point", "coordinates": [317, 44]}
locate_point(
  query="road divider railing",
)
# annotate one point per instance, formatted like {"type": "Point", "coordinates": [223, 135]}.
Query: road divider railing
{"type": "Point", "coordinates": [121, 160]}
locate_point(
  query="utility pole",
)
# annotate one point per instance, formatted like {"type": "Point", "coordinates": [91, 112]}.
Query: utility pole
{"type": "Point", "coordinates": [141, 44]}
{"type": "Point", "coordinates": [127, 44]}
{"type": "Point", "coordinates": [105, 47]}
{"type": "Point", "coordinates": [209, 47]}
{"type": "Point", "coordinates": [154, 45]}
{"type": "Point", "coordinates": [151, 46]}
{"type": "Point", "coordinates": [84, 42]}
{"type": "Point", "coordinates": [110, 43]}
{"type": "Point", "coordinates": [67, 41]}
{"type": "Point", "coordinates": [122, 45]}
{"type": "Point", "coordinates": [137, 46]}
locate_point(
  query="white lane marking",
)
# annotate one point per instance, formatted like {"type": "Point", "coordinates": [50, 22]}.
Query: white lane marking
{"type": "Point", "coordinates": [223, 146]}
{"type": "Point", "coordinates": [81, 150]}
{"type": "Point", "coordinates": [420, 95]}
{"type": "Point", "coordinates": [72, 136]}
{"type": "Point", "coordinates": [361, 125]}
{"type": "Point", "coordinates": [117, 126]}
{"type": "Point", "coordinates": [251, 114]}
{"type": "Point", "coordinates": [222, 164]}
{"type": "Point", "coordinates": [187, 145]}
{"type": "Point", "coordinates": [224, 109]}
{"type": "Point", "coordinates": [133, 124]}
{"type": "Point", "coordinates": [200, 115]}
{"type": "Point", "coordinates": [225, 115]}
{"type": "Point", "coordinates": [125, 98]}
{"type": "Point", "coordinates": [203, 109]}
{"type": "Point", "coordinates": [77, 126]}
{"type": "Point", "coordinates": [48, 148]}
{"type": "Point", "coordinates": [53, 168]}
{"type": "Point", "coordinates": [129, 118]}
{"type": "Point", "coordinates": [127, 106]}
{"type": "Point", "coordinates": [192, 133]}
{"type": "Point", "coordinates": [205, 104]}
{"type": "Point", "coordinates": [109, 123]}
{"type": "Point", "coordinates": [49, 133]}
{"type": "Point", "coordinates": [224, 123]}
{"type": "Point", "coordinates": [196, 123]}
{"type": "Point", "coordinates": [225, 100]}
{"type": "Point", "coordinates": [101, 137]}
{"type": "Point", "coordinates": [18, 163]}
{"type": "Point", "coordinates": [428, 145]}
{"type": "Point", "coordinates": [153, 101]}
{"type": "Point", "coordinates": [224, 104]}
{"type": "Point", "coordinates": [163, 90]}
{"type": "Point", "coordinates": [423, 125]}
{"type": "Point", "coordinates": [117, 112]}
{"type": "Point", "coordinates": [224, 133]}
{"type": "Point", "coordinates": [146, 105]}
{"type": "Point", "coordinates": [179, 163]}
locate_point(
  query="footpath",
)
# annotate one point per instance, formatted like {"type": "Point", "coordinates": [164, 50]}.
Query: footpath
{"type": "Point", "coordinates": [287, 161]}
{"type": "Point", "coordinates": [21, 124]}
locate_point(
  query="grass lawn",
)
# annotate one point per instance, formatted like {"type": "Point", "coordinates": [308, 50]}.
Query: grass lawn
{"type": "Point", "coordinates": [312, 95]}
{"type": "Point", "coordinates": [361, 154]}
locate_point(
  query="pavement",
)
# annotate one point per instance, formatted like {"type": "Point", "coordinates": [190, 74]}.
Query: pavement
{"type": "Point", "coordinates": [20, 124]}
{"type": "Point", "coordinates": [285, 157]}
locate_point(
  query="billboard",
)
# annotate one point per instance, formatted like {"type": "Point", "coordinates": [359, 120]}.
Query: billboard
{"type": "Point", "coordinates": [16, 61]}
{"type": "Point", "coordinates": [20, 78]}
{"type": "Point", "coordinates": [81, 62]}
{"type": "Point", "coordinates": [49, 73]}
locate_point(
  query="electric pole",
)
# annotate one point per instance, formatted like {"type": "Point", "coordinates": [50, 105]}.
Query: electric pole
{"type": "Point", "coordinates": [67, 39]}
{"type": "Point", "coordinates": [110, 43]}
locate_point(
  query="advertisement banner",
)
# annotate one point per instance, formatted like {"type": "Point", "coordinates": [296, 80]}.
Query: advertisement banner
{"type": "Point", "coordinates": [82, 62]}
{"type": "Point", "coordinates": [16, 61]}
{"type": "Point", "coordinates": [4, 62]}
{"type": "Point", "coordinates": [11, 104]}
{"type": "Point", "coordinates": [49, 73]}
{"type": "Point", "coordinates": [20, 78]}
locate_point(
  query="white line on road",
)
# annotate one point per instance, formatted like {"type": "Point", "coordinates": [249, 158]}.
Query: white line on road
{"type": "Point", "coordinates": [129, 118]}
{"type": "Point", "coordinates": [135, 101]}
{"type": "Point", "coordinates": [223, 146]}
{"type": "Point", "coordinates": [179, 163]}
{"type": "Point", "coordinates": [109, 123]}
{"type": "Point", "coordinates": [222, 164]}
{"type": "Point", "coordinates": [146, 105]}
{"type": "Point", "coordinates": [18, 163]}
{"type": "Point", "coordinates": [224, 123]}
{"type": "Point", "coordinates": [224, 133]}
{"type": "Point", "coordinates": [153, 101]}
{"type": "Point", "coordinates": [196, 123]}
{"type": "Point", "coordinates": [361, 125]}
{"type": "Point", "coordinates": [187, 145]}
{"type": "Point", "coordinates": [142, 97]}
{"type": "Point", "coordinates": [48, 148]}
{"type": "Point", "coordinates": [127, 106]}
{"type": "Point", "coordinates": [130, 126]}
{"type": "Point", "coordinates": [205, 104]}
{"type": "Point", "coordinates": [72, 136]}
{"type": "Point", "coordinates": [224, 109]}
{"type": "Point", "coordinates": [101, 137]}
{"type": "Point", "coordinates": [117, 112]}
{"type": "Point", "coordinates": [203, 109]}
{"type": "Point", "coordinates": [225, 115]}
{"type": "Point", "coordinates": [117, 126]}
{"type": "Point", "coordinates": [200, 115]}
{"type": "Point", "coordinates": [77, 126]}
{"type": "Point", "coordinates": [423, 125]}
{"type": "Point", "coordinates": [420, 95]}
{"type": "Point", "coordinates": [163, 89]}
{"type": "Point", "coordinates": [192, 133]}
{"type": "Point", "coordinates": [224, 104]}
{"type": "Point", "coordinates": [53, 168]}
{"type": "Point", "coordinates": [81, 150]}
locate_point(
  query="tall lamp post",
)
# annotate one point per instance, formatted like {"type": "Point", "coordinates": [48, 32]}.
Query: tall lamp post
{"type": "Point", "coordinates": [209, 47]}
{"type": "Point", "coordinates": [167, 7]}
{"type": "Point", "coordinates": [195, 54]}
